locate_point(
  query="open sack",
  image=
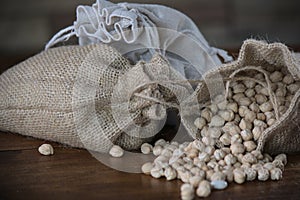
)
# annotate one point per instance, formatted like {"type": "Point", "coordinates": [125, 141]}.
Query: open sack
{"type": "Point", "coordinates": [258, 57]}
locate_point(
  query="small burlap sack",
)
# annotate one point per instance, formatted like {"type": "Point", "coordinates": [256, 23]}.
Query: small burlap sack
{"type": "Point", "coordinates": [284, 135]}
{"type": "Point", "coordinates": [87, 96]}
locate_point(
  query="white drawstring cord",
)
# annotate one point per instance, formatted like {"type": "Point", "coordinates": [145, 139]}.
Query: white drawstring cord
{"type": "Point", "coordinates": [62, 35]}
{"type": "Point", "coordinates": [220, 52]}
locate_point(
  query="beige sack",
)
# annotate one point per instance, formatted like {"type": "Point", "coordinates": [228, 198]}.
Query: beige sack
{"type": "Point", "coordinates": [284, 135]}
{"type": "Point", "coordinates": [89, 97]}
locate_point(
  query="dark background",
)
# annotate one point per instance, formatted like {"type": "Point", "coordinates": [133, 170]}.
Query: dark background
{"type": "Point", "coordinates": [27, 25]}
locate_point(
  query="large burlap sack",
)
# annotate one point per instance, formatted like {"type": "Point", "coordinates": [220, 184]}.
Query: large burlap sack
{"type": "Point", "coordinates": [284, 135]}
{"type": "Point", "coordinates": [87, 96]}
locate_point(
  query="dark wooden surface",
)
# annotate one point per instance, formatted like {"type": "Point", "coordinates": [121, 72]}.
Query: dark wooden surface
{"type": "Point", "coordinates": [74, 174]}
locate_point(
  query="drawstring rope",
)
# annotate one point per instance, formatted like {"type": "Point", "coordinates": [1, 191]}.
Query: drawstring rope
{"type": "Point", "coordinates": [61, 36]}
{"type": "Point", "coordinates": [220, 52]}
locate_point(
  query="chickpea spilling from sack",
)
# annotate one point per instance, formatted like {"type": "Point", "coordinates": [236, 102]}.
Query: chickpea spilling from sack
{"type": "Point", "coordinates": [203, 167]}
{"type": "Point", "coordinates": [229, 129]}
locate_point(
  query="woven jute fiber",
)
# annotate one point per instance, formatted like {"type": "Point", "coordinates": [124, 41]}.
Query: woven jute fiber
{"type": "Point", "coordinates": [87, 96]}
{"type": "Point", "coordinates": [284, 135]}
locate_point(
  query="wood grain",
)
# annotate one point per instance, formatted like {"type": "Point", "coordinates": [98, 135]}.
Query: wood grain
{"type": "Point", "coordinates": [74, 174]}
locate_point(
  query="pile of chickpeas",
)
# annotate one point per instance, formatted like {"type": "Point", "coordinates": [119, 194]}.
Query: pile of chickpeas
{"type": "Point", "coordinates": [229, 129]}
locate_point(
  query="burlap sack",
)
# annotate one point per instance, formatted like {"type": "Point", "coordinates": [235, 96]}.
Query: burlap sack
{"type": "Point", "coordinates": [284, 135]}
{"type": "Point", "coordinates": [88, 97]}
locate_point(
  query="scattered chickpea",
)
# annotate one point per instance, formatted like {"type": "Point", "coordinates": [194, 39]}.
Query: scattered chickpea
{"type": "Point", "coordinates": [233, 107]}
{"type": "Point", "coordinates": [244, 124]}
{"type": "Point", "coordinates": [237, 148]}
{"type": "Point", "coordinates": [276, 76]}
{"type": "Point", "coordinates": [269, 166]}
{"type": "Point", "coordinates": [282, 158]}
{"type": "Point", "coordinates": [200, 123]}
{"type": "Point", "coordinates": [260, 98]}
{"type": "Point", "coordinates": [279, 164]}
{"type": "Point", "coordinates": [246, 135]}
{"type": "Point", "coordinates": [46, 149]}
{"type": "Point", "coordinates": [230, 159]}
{"type": "Point", "coordinates": [219, 154]}
{"type": "Point", "coordinates": [276, 174]}
{"type": "Point", "coordinates": [209, 150]}
{"type": "Point", "coordinates": [265, 107]}
{"type": "Point", "coordinates": [249, 84]}
{"type": "Point", "coordinates": [257, 154]}
{"type": "Point", "coordinates": [236, 139]}
{"type": "Point", "coordinates": [257, 132]}
{"type": "Point", "coordinates": [146, 168]}
{"type": "Point", "coordinates": [187, 192]}
{"type": "Point", "coordinates": [254, 107]}
{"type": "Point", "coordinates": [206, 114]}
{"type": "Point", "coordinates": [249, 158]}
{"type": "Point", "coordinates": [116, 151]}
{"type": "Point", "coordinates": [217, 121]}
{"type": "Point", "coordinates": [261, 116]}
{"type": "Point", "coordinates": [250, 146]}
{"type": "Point", "coordinates": [222, 105]}
{"type": "Point", "coordinates": [170, 173]}
{"type": "Point", "coordinates": [250, 174]}
{"type": "Point", "coordinates": [263, 174]}
{"type": "Point", "coordinates": [288, 79]}
{"type": "Point", "coordinates": [225, 139]}
{"type": "Point", "coordinates": [204, 189]}
{"type": "Point", "coordinates": [157, 149]}
{"type": "Point", "coordinates": [156, 172]}
{"type": "Point", "coordinates": [239, 175]}
{"type": "Point", "coordinates": [146, 148]}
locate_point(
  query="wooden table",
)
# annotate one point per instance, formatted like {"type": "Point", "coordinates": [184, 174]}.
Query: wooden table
{"type": "Point", "coordinates": [74, 174]}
